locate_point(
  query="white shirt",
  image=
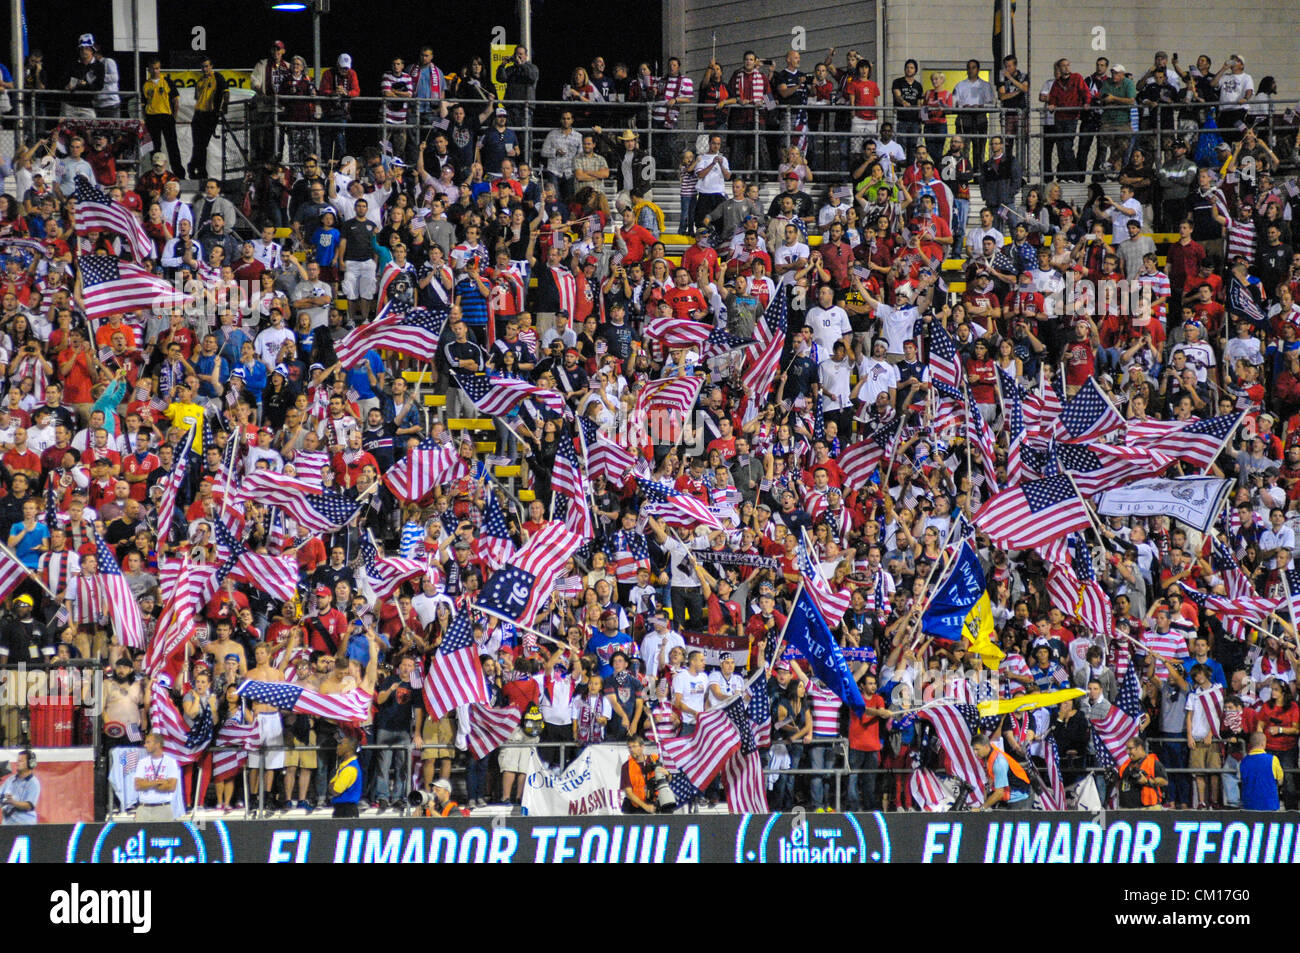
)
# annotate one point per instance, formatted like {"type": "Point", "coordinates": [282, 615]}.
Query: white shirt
{"type": "Point", "coordinates": [555, 711]}
{"type": "Point", "coordinates": [975, 240]}
{"type": "Point", "coordinates": [154, 769]}
{"type": "Point", "coordinates": [1130, 211]}
{"type": "Point", "coordinates": [788, 254]}
{"type": "Point", "coordinates": [828, 326]}
{"type": "Point", "coordinates": [714, 181]}
{"type": "Point", "coordinates": [729, 686]}
{"type": "Point", "coordinates": [652, 645]}
{"type": "Point", "coordinates": [888, 153]}
{"type": "Point", "coordinates": [692, 688]}
{"type": "Point", "coordinates": [268, 344]}
{"type": "Point", "coordinates": [877, 376]}
{"type": "Point", "coordinates": [835, 381]}
{"type": "Point", "coordinates": [897, 324]}
{"type": "Point", "coordinates": [1233, 87]}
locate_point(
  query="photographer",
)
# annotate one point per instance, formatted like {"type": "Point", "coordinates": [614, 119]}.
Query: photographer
{"type": "Point", "coordinates": [20, 792]}
{"type": "Point", "coordinates": [638, 779]}
{"type": "Point", "coordinates": [1008, 783]}
{"type": "Point", "coordinates": [1142, 778]}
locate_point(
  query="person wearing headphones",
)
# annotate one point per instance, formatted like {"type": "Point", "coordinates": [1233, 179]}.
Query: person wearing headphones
{"type": "Point", "coordinates": [20, 791]}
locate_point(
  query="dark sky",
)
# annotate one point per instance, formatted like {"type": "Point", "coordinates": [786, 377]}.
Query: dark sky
{"type": "Point", "coordinates": [565, 33]}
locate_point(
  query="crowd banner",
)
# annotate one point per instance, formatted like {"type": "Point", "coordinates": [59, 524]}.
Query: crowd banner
{"type": "Point", "coordinates": [590, 785]}
{"type": "Point", "coordinates": [1195, 501]}
{"type": "Point", "coordinates": [1121, 837]}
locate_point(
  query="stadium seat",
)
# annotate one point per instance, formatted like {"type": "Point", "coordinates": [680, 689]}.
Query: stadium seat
{"type": "Point", "coordinates": [470, 423]}
{"type": "Point", "coordinates": [508, 472]}
{"type": "Point", "coordinates": [435, 400]}
{"type": "Point", "coordinates": [527, 496]}
{"type": "Point", "coordinates": [417, 377]}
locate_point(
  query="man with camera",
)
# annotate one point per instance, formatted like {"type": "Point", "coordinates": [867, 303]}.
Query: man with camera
{"type": "Point", "coordinates": [20, 791]}
{"type": "Point", "coordinates": [1142, 778]}
{"type": "Point", "coordinates": [1008, 783]}
{"type": "Point", "coordinates": [638, 780]}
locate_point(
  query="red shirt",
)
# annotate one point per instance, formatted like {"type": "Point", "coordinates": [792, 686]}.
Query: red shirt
{"type": "Point", "coordinates": [1080, 363]}
{"type": "Point", "coordinates": [334, 622]}
{"type": "Point", "coordinates": [862, 92]}
{"type": "Point", "coordinates": [686, 301]}
{"type": "Point", "coordinates": [697, 255]}
{"type": "Point", "coordinates": [1264, 717]}
{"type": "Point", "coordinates": [521, 693]}
{"type": "Point", "coordinates": [134, 466]}
{"type": "Point", "coordinates": [864, 731]}
{"type": "Point", "coordinates": [76, 382]}
{"type": "Point", "coordinates": [638, 238]}
{"type": "Point", "coordinates": [26, 461]}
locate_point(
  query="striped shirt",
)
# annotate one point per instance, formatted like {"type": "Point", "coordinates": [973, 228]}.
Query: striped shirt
{"type": "Point", "coordinates": [825, 709]}
{"type": "Point", "coordinates": [395, 107]}
{"type": "Point", "coordinates": [689, 180]}
{"type": "Point", "coordinates": [1241, 238]}
{"type": "Point", "coordinates": [1159, 288]}
{"type": "Point", "coordinates": [672, 87]}
{"type": "Point", "coordinates": [57, 570]}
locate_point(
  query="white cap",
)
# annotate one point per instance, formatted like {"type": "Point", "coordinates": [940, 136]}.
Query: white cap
{"type": "Point", "coordinates": [1117, 68]}
{"type": "Point", "coordinates": [442, 783]}
{"type": "Point", "coordinates": [86, 39]}
{"type": "Point", "coordinates": [345, 61]}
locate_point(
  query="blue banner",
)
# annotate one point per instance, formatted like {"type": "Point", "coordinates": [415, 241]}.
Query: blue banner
{"type": "Point", "coordinates": [806, 631]}
{"type": "Point", "coordinates": [952, 603]}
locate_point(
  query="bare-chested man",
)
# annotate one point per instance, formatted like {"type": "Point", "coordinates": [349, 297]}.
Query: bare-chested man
{"type": "Point", "coordinates": [223, 645]}
{"type": "Point", "coordinates": [345, 675]}
{"type": "Point", "coordinates": [268, 723]}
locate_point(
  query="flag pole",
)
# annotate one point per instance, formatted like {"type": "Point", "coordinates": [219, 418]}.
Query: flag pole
{"type": "Point", "coordinates": [1092, 519]}
{"type": "Point", "coordinates": [526, 628]}
{"type": "Point", "coordinates": [776, 653]}
{"type": "Point", "coordinates": [31, 574]}
{"type": "Point", "coordinates": [1240, 417]}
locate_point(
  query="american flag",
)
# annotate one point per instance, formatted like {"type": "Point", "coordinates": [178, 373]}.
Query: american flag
{"type": "Point", "coordinates": [672, 395]}
{"type": "Point", "coordinates": [776, 315]}
{"type": "Point", "coordinates": [177, 619]}
{"type": "Point", "coordinates": [980, 434]}
{"type": "Point", "coordinates": [497, 395]}
{"type": "Point", "coordinates": [276, 575]}
{"type": "Point", "coordinates": [955, 725]}
{"type": "Point", "coordinates": [701, 756]}
{"type": "Point", "coordinates": [676, 508]}
{"type": "Point", "coordinates": [1094, 605]}
{"type": "Point", "coordinates": [1251, 607]}
{"type": "Point", "coordinates": [627, 551]}
{"type": "Point", "coordinates": [720, 341]}
{"type": "Point", "coordinates": [455, 676]}
{"type": "Point", "coordinates": [1053, 798]}
{"type": "Point", "coordinates": [261, 484]}
{"type": "Point", "coordinates": [309, 463]}
{"type": "Point", "coordinates": [1242, 302]}
{"type": "Point", "coordinates": [518, 590]}
{"type": "Point", "coordinates": [760, 715]}
{"type": "Point", "coordinates": [12, 572]}
{"type": "Point", "coordinates": [743, 771]}
{"type": "Point", "coordinates": [676, 332]}
{"type": "Point", "coordinates": [1042, 410]}
{"type": "Point", "coordinates": [1096, 467]}
{"type": "Point", "coordinates": [762, 361]}
{"type": "Point", "coordinates": [1032, 514]}
{"type": "Point", "coordinates": [1210, 702]}
{"type": "Point", "coordinates": [1089, 414]}
{"type": "Point", "coordinates": [490, 728]}
{"type": "Point", "coordinates": [606, 457]}
{"type": "Point", "coordinates": [237, 738]}
{"type": "Point", "coordinates": [384, 574]}
{"type": "Point", "coordinates": [185, 744]}
{"type": "Point", "coordinates": [1013, 418]}
{"type": "Point", "coordinates": [111, 287]}
{"type": "Point", "coordinates": [495, 545]}
{"type": "Point", "coordinates": [945, 365]}
{"type": "Point", "coordinates": [423, 468]}
{"type": "Point", "coordinates": [171, 487]}
{"type": "Point", "coordinates": [567, 476]}
{"type": "Point", "coordinates": [575, 514]}
{"type": "Point", "coordinates": [124, 610]}
{"type": "Point", "coordinates": [96, 211]}
{"type": "Point", "coordinates": [351, 708]}
{"type": "Point", "coordinates": [832, 604]}
{"type": "Point", "coordinates": [927, 790]}
{"type": "Point", "coordinates": [1237, 585]}
{"type": "Point", "coordinates": [398, 327]}
{"type": "Point", "coordinates": [1195, 441]}
{"type": "Point", "coordinates": [859, 460]}
{"type": "Point", "coordinates": [1120, 724]}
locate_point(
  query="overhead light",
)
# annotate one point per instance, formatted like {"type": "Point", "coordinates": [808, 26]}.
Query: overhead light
{"type": "Point", "coordinates": [289, 6]}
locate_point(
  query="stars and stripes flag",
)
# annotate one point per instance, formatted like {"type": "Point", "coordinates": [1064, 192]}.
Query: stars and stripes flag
{"type": "Point", "coordinates": [184, 743]}
{"type": "Point", "coordinates": [1238, 587]}
{"type": "Point", "coordinates": [121, 604]}
{"type": "Point", "coordinates": [763, 360]}
{"type": "Point", "coordinates": [979, 433]}
{"type": "Point", "coordinates": [832, 604]}
{"type": "Point", "coordinates": [955, 725]}
{"type": "Point", "coordinates": [176, 622]}
{"type": "Point", "coordinates": [383, 574]}
{"type": "Point", "coordinates": [171, 487]}
{"type": "Point", "coordinates": [1195, 441]}
{"type": "Point", "coordinates": [497, 395]}
{"type": "Point", "coordinates": [235, 740]}
{"type": "Point", "coordinates": [674, 396]}
{"type": "Point", "coordinates": [927, 790]}
{"type": "Point", "coordinates": [676, 508]}
{"type": "Point", "coordinates": [701, 756]}
{"type": "Point", "coordinates": [490, 728]}
{"type": "Point", "coordinates": [455, 676]}
{"type": "Point", "coordinates": [109, 287]}
{"type": "Point", "coordinates": [1042, 409]}
{"type": "Point", "coordinates": [777, 313]}
{"type": "Point", "coordinates": [1033, 514]}
{"type": "Point", "coordinates": [12, 572]}
{"type": "Point", "coordinates": [1094, 605]}
{"type": "Point", "coordinates": [95, 211]}
{"type": "Point", "coordinates": [1088, 415]}
{"type": "Point", "coordinates": [351, 708]}
{"type": "Point", "coordinates": [1120, 724]}
{"type": "Point", "coordinates": [276, 575]}
{"type": "Point", "coordinates": [945, 365]}
{"type": "Point", "coordinates": [1053, 796]}
{"type": "Point", "coordinates": [1242, 302]}
{"type": "Point", "coordinates": [606, 457]}
{"type": "Point", "coordinates": [1013, 417]}
{"type": "Point", "coordinates": [495, 544]}
{"type": "Point", "coordinates": [859, 460]}
{"type": "Point", "coordinates": [1252, 607]}
{"type": "Point", "coordinates": [518, 590]}
{"type": "Point", "coordinates": [398, 327]}
{"type": "Point", "coordinates": [628, 552]}
{"type": "Point", "coordinates": [1096, 467]}
{"type": "Point", "coordinates": [720, 341]}
{"type": "Point", "coordinates": [760, 715]}
{"type": "Point", "coordinates": [424, 467]}
{"type": "Point", "coordinates": [1210, 703]}
{"type": "Point", "coordinates": [677, 332]}
{"type": "Point", "coordinates": [743, 771]}
{"type": "Point", "coordinates": [567, 476]}
{"type": "Point", "coordinates": [575, 514]}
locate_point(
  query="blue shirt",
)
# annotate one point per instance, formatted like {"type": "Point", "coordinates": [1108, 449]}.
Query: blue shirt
{"type": "Point", "coordinates": [326, 243]}
{"type": "Point", "coordinates": [1216, 670]}
{"type": "Point", "coordinates": [358, 378]}
{"type": "Point", "coordinates": [473, 305]}
{"type": "Point", "coordinates": [26, 549]}
{"type": "Point", "coordinates": [1002, 779]}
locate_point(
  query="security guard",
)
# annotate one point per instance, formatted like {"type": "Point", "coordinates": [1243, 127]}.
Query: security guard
{"type": "Point", "coordinates": [346, 784]}
{"type": "Point", "coordinates": [1008, 783]}
{"type": "Point", "coordinates": [1142, 778]}
{"type": "Point", "coordinates": [1261, 774]}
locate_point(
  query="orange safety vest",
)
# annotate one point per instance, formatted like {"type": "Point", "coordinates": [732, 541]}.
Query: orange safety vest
{"type": "Point", "coordinates": [1150, 793]}
{"type": "Point", "coordinates": [637, 777]}
{"type": "Point", "coordinates": [1012, 765]}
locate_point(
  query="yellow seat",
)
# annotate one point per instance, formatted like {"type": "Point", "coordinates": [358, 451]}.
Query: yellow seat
{"type": "Point", "coordinates": [470, 423]}
{"type": "Point", "coordinates": [957, 286]}
{"type": "Point", "coordinates": [340, 304]}
{"type": "Point", "coordinates": [527, 496]}
{"type": "Point", "coordinates": [505, 473]}
{"type": "Point", "coordinates": [435, 400]}
{"type": "Point", "coordinates": [283, 233]}
{"type": "Point", "coordinates": [486, 446]}
{"type": "Point", "coordinates": [417, 377]}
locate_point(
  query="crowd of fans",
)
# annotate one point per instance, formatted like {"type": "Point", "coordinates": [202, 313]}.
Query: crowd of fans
{"type": "Point", "coordinates": [544, 281]}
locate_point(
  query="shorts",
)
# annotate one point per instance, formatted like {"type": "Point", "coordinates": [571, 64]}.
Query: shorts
{"type": "Point", "coordinates": [329, 273]}
{"type": "Point", "coordinates": [358, 280]}
{"type": "Point", "coordinates": [516, 760]}
{"type": "Point", "coordinates": [303, 754]}
{"type": "Point", "coordinates": [272, 734]}
{"type": "Point", "coordinates": [1204, 754]}
{"type": "Point", "coordinates": [438, 735]}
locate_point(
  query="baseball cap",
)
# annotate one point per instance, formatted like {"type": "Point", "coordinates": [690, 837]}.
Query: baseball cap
{"type": "Point", "coordinates": [501, 111]}
{"type": "Point", "coordinates": [781, 666]}
{"type": "Point", "coordinates": [323, 591]}
{"type": "Point", "coordinates": [345, 61]}
{"type": "Point", "coordinates": [25, 599]}
{"type": "Point", "coordinates": [86, 39]}
{"type": "Point", "coordinates": [278, 45]}
{"type": "Point", "coordinates": [1118, 68]}
{"type": "Point", "coordinates": [442, 783]}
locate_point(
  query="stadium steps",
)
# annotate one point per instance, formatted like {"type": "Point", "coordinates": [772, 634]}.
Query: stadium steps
{"type": "Point", "coordinates": [527, 496]}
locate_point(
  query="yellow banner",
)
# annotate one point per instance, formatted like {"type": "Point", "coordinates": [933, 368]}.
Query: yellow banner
{"type": "Point", "coordinates": [499, 54]}
{"type": "Point", "coordinates": [237, 78]}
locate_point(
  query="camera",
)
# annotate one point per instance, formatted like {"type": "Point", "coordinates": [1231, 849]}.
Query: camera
{"type": "Point", "coordinates": [665, 799]}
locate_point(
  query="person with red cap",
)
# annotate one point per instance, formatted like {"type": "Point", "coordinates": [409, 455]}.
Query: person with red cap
{"type": "Point", "coordinates": [327, 626]}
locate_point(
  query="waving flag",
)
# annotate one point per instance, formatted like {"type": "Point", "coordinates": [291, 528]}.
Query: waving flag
{"type": "Point", "coordinates": [605, 457]}
{"type": "Point", "coordinates": [497, 395]}
{"type": "Point", "coordinates": [1053, 798]}
{"type": "Point", "coordinates": [1094, 605]}
{"type": "Point", "coordinates": [184, 743]}
{"type": "Point", "coordinates": [760, 715]}
{"type": "Point", "coordinates": [676, 508]}
{"type": "Point", "coordinates": [1096, 467]}
{"type": "Point", "coordinates": [1113, 732]}
{"type": "Point", "coordinates": [1013, 396]}
{"type": "Point", "coordinates": [1032, 514]}
{"type": "Point", "coordinates": [123, 608]}
{"type": "Point", "coordinates": [176, 623]}
{"type": "Point", "coordinates": [171, 487]}
{"type": "Point", "coordinates": [235, 740]}
{"type": "Point", "coordinates": [945, 365]}
{"type": "Point", "coordinates": [423, 468]}
{"type": "Point", "coordinates": [567, 475]}
{"type": "Point", "coordinates": [275, 575]}
{"type": "Point", "coordinates": [720, 341]}
{"type": "Point", "coordinates": [763, 360]}
{"type": "Point", "coordinates": [776, 314]}
{"type": "Point", "coordinates": [495, 545]}
{"type": "Point", "coordinates": [398, 327]}
{"type": "Point", "coordinates": [517, 591]}
{"type": "Point", "coordinates": [701, 756]}
{"type": "Point", "coordinates": [832, 604]}
{"type": "Point", "coordinates": [859, 460]}
{"type": "Point", "coordinates": [743, 771]}
{"type": "Point", "coordinates": [1195, 441]}
{"type": "Point", "coordinates": [676, 332]}
{"type": "Point", "coordinates": [490, 728]}
{"type": "Point", "coordinates": [455, 676]}
{"type": "Point", "coordinates": [806, 631]}
{"type": "Point", "coordinates": [945, 616]}
{"type": "Point", "coordinates": [672, 395]}
{"type": "Point", "coordinates": [109, 287]}
{"type": "Point", "coordinates": [1089, 414]}
{"type": "Point", "coordinates": [95, 211]}
{"type": "Point", "coordinates": [352, 708]}
{"type": "Point", "coordinates": [1243, 303]}
{"type": "Point", "coordinates": [1244, 608]}
{"type": "Point", "coordinates": [385, 574]}
{"type": "Point", "coordinates": [955, 725]}
{"type": "Point", "coordinates": [12, 572]}
{"type": "Point", "coordinates": [1043, 409]}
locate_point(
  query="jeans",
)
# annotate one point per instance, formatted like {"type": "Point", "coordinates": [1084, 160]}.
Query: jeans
{"type": "Point", "coordinates": [908, 135]}
{"type": "Point", "coordinates": [476, 778]}
{"type": "Point", "coordinates": [1060, 135]}
{"type": "Point", "coordinates": [783, 793]}
{"type": "Point", "coordinates": [686, 221]}
{"type": "Point", "coordinates": [1173, 754]}
{"type": "Point", "coordinates": [974, 128]}
{"type": "Point", "coordinates": [960, 212]}
{"type": "Point", "coordinates": [822, 757]}
{"type": "Point", "coordinates": [403, 773]}
{"type": "Point", "coordinates": [327, 760]}
{"type": "Point", "coordinates": [858, 761]}
{"type": "Point", "coordinates": [334, 141]}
